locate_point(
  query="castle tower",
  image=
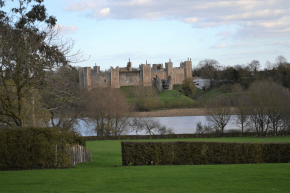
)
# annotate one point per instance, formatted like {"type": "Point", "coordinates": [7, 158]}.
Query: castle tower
{"type": "Point", "coordinates": [115, 81]}
{"type": "Point", "coordinates": [85, 78]}
{"type": "Point", "coordinates": [97, 69]}
{"type": "Point", "coordinates": [187, 65]}
{"type": "Point", "coordinates": [168, 68]}
{"type": "Point", "coordinates": [146, 74]}
{"type": "Point", "coordinates": [129, 66]}
{"type": "Point", "coordinates": [169, 71]}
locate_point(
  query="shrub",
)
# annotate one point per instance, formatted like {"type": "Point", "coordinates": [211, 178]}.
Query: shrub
{"type": "Point", "coordinates": [188, 87]}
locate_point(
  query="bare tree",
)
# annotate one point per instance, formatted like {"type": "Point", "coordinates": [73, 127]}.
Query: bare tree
{"type": "Point", "coordinates": [136, 124]}
{"type": "Point", "coordinates": [280, 60]}
{"type": "Point", "coordinates": [110, 111]}
{"type": "Point", "coordinates": [219, 111]}
{"type": "Point", "coordinates": [268, 102]}
{"type": "Point", "coordinates": [150, 125]}
{"type": "Point", "coordinates": [208, 68]}
{"type": "Point", "coordinates": [163, 130]}
{"type": "Point", "coordinates": [277, 101]}
{"type": "Point", "coordinates": [206, 129]}
{"type": "Point", "coordinates": [242, 110]}
{"type": "Point", "coordinates": [255, 65]}
{"type": "Point", "coordinates": [64, 99]}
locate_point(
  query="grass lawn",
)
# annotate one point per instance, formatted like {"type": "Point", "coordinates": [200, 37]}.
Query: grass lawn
{"type": "Point", "coordinates": [106, 174]}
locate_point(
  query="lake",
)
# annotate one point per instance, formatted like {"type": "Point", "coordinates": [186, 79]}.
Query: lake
{"type": "Point", "coordinates": [180, 125]}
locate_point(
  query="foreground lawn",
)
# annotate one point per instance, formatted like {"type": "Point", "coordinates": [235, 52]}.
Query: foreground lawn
{"type": "Point", "coordinates": [106, 174]}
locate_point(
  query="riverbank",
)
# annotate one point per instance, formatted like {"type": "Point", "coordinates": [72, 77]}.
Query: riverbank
{"type": "Point", "coordinates": [173, 113]}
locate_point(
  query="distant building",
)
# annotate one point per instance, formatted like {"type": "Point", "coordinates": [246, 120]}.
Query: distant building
{"type": "Point", "coordinates": [163, 78]}
{"type": "Point", "coordinates": [202, 84]}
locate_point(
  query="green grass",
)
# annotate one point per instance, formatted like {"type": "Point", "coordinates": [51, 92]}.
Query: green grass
{"type": "Point", "coordinates": [171, 97]}
{"type": "Point", "coordinates": [198, 91]}
{"type": "Point", "coordinates": [210, 94]}
{"type": "Point", "coordinates": [106, 174]}
{"type": "Point", "coordinates": [230, 95]}
{"type": "Point", "coordinates": [177, 87]}
{"type": "Point", "coordinates": [170, 94]}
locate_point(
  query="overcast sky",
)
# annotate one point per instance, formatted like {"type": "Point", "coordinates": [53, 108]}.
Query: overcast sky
{"type": "Point", "coordinates": [232, 32]}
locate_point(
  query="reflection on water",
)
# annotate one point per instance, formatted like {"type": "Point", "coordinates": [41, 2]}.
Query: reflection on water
{"type": "Point", "coordinates": [180, 125]}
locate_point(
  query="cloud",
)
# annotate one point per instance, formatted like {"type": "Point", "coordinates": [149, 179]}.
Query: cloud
{"type": "Point", "coordinates": [191, 20]}
{"type": "Point", "coordinates": [105, 11]}
{"type": "Point", "coordinates": [282, 43]}
{"type": "Point", "coordinates": [223, 33]}
{"type": "Point", "coordinates": [231, 46]}
{"type": "Point", "coordinates": [271, 16]}
{"type": "Point", "coordinates": [67, 29]}
{"type": "Point", "coordinates": [254, 52]}
{"type": "Point", "coordinates": [218, 46]}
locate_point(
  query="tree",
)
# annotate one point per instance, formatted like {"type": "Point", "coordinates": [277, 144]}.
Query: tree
{"type": "Point", "coordinates": [110, 111]}
{"type": "Point", "coordinates": [64, 99]}
{"type": "Point", "coordinates": [208, 68]}
{"type": "Point", "coordinates": [242, 109]}
{"type": "Point", "coordinates": [136, 124]}
{"type": "Point", "coordinates": [188, 87]}
{"type": "Point", "coordinates": [230, 74]}
{"type": "Point", "coordinates": [27, 57]}
{"type": "Point", "coordinates": [150, 125]}
{"type": "Point", "coordinates": [219, 111]}
{"type": "Point", "coordinates": [206, 129]}
{"type": "Point", "coordinates": [163, 130]}
{"type": "Point", "coordinates": [280, 60]}
{"type": "Point", "coordinates": [255, 65]}
{"type": "Point", "coordinates": [269, 104]}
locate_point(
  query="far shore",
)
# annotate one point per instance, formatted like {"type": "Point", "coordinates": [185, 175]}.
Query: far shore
{"type": "Point", "coordinates": [172, 113]}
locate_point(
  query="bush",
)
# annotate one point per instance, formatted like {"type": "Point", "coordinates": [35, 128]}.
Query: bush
{"type": "Point", "coordinates": [188, 87]}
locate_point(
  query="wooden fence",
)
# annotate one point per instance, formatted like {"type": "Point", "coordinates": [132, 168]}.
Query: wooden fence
{"type": "Point", "coordinates": [78, 154]}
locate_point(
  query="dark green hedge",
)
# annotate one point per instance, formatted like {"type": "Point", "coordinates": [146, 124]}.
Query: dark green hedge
{"type": "Point", "coordinates": [31, 147]}
{"type": "Point", "coordinates": [200, 153]}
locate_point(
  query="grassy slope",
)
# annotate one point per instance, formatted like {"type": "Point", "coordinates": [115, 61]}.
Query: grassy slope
{"type": "Point", "coordinates": [105, 174]}
{"type": "Point", "coordinates": [210, 94]}
{"type": "Point", "coordinates": [170, 96]}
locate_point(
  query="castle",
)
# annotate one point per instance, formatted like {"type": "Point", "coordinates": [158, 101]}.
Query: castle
{"type": "Point", "coordinates": [163, 78]}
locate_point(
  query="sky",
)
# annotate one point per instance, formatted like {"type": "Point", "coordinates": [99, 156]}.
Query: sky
{"type": "Point", "coordinates": [109, 32]}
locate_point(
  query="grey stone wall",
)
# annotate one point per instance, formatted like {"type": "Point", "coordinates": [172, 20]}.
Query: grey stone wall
{"type": "Point", "coordinates": [130, 78]}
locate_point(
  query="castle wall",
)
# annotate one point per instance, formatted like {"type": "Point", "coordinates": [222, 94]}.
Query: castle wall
{"type": "Point", "coordinates": [126, 77]}
{"type": "Point", "coordinates": [101, 80]}
{"type": "Point", "coordinates": [130, 78]}
{"type": "Point", "coordinates": [115, 77]}
{"type": "Point", "coordinates": [178, 75]}
{"type": "Point", "coordinates": [160, 74]}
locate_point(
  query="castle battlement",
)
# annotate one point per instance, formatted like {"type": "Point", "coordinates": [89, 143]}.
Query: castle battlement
{"type": "Point", "coordinates": [128, 76]}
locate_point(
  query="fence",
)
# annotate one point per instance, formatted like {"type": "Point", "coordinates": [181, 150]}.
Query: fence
{"type": "Point", "coordinates": [77, 153]}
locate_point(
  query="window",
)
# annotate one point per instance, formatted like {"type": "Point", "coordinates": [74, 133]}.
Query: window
{"type": "Point", "coordinates": [105, 80]}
